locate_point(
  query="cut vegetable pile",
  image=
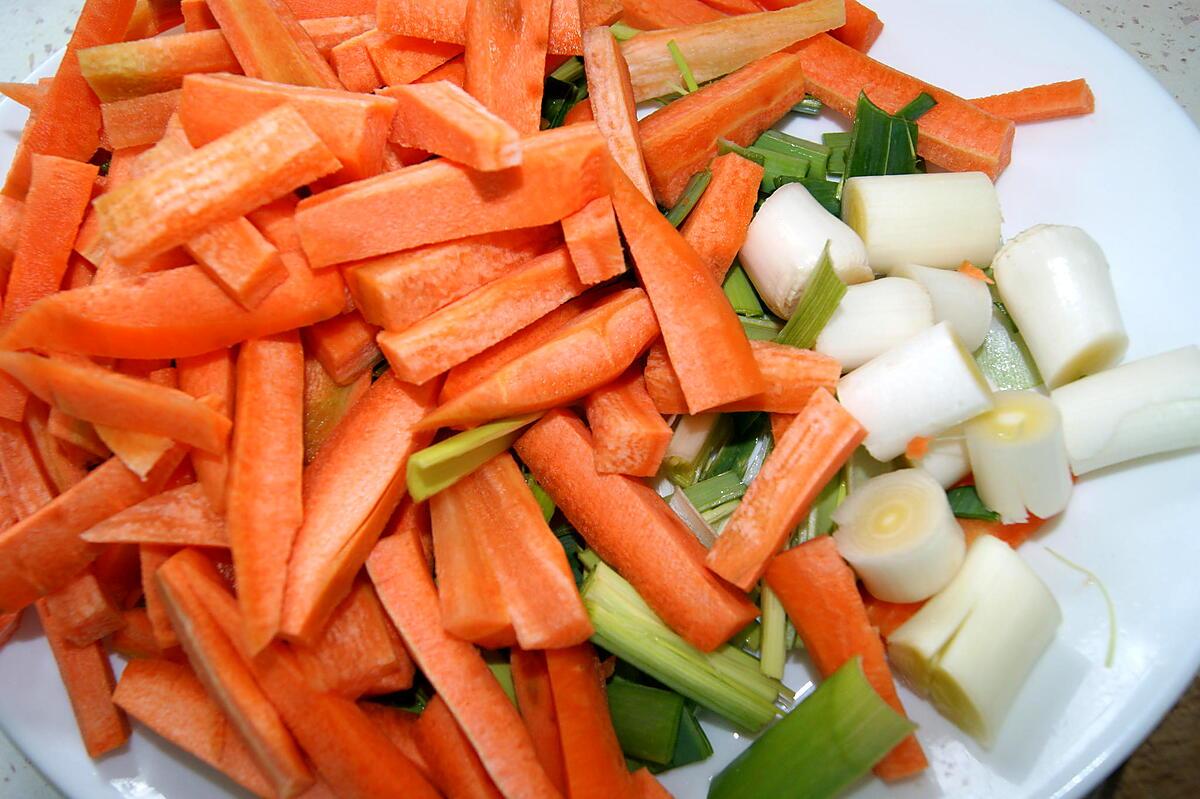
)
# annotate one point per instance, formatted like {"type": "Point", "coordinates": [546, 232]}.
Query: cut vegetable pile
{"type": "Point", "coordinates": [415, 420]}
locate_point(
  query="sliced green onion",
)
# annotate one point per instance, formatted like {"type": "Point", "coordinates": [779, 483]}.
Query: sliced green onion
{"type": "Point", "coordinates": [740, 292]}
{"type": "Point", "coordinates": [685, 72]}
{"type": "Point", "coordinates": [692, 745]}
{"type": "Point", "coordinates": [773, 653]}
{"type": "Point", "coordinates": [822, 747]}
{"type": "Point", "coordinates": [966, 504]}
{"type": "Point", "coordinates": [1003, 357]}
{"type": "Point", "coordinates": [760, 329]}
{"type": "Point", "coordinates": [821, 297]}
{"type": "Point", "coordinates": [918, 107]}
{"type": "Point", "coordinates": [747, 448]}
{"type": "Point", "coordinates": [716, 490]}
{"type": "Point", "coordinates": [691, 196]}
{"type": "Point", "coordinates": [725, 146]}
{"type": "Point", "coordinates": [440, 466]}
{"type": "Point", "coordinates": [1112, 609]}
{"type": "Point", "coordinates": [809, 106]}
{"type": "Point", "coordinates": [622, 32]}
{"type": "Point", "coordinates": [646, 720]}
{"type": "Point", "coordinates": [543, 499]}
{"type": "Point", "coordinates": [775, 165]}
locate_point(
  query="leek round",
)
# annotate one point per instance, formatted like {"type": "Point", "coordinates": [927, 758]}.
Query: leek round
{"type": "Point", "coordinates": [1141, 408]}
{"type": "Point", "coordinates": [874, 317]}
{"type": "Point", "coordinates": [963, 301]}
{"type": "Point", "coordinates": [946, 457]}
{"type": "Point", "coordinates": [1019, 457]}
{"type": "Point", "coordinates": [784, 245]}
{"type": "Point", "coordinates": [899, 534]}
{"type": "Point", "coordinates": [972, 646]}
{"type": "Point", "coordinates": [920, 388]}
{"type": "Point", "coordinates": [939, 220]}
{"type": "Point", "coordinates": [1056, 284]}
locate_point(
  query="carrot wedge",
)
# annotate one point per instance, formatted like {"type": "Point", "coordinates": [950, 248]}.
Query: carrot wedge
{"type": "Point", "coordinates": [456, 768]}
{"type": "Point", "coordinates": [350, 491]}
{"type": "Point", "coordinates": [708, 347]}
{"type": "Point", "coordinates": [506, 46]}
{"type": "Point", "coordinates": [352, 60]}
{"type": "Point", "coordinates": [1069, 98]}
{"type": "Point", "coordinates": [655, 14]}
{"type": "Point", "coordinates": [818, 591]}
{"type": "Point", "coordinates": [561, 171]}
{"type": "Point", "coordinates": [400, 572]}
{"type": "Point", "coordinates": [180, 517]}
{"type": "Point", "coordinates": [135, 639]}
{"type": "Point", "coordinates": [624, 520]}
{"type": "Point", "coordinates": [815, 446]}
{"type": "Point", "coordinates": [716, 227]}
{"type": "Point", "coordinates": [270, 44]}
{"type": "Point", "coordinates": [88, 677]}
{"type": "Point", "coordinates": [82, 612]}
{"type": "Point", "coordinates": [328, 32]}
{"type": "Point", "coordinates": [27, 486]}
{"type": "Point", "coordinates": [148, 66]}
{"type": "Point", "coordinates": [584, 355]}
{"type": "Point", "coordinates": [211, 374]}
{"type": "Point", "coordinates": [443, 119]}
{"type": "Point", "coordinates": [613, 104]}
{"type": "Point", "coordinates": [345, 346]}
{"type": "Point", "coordinates": [955, 134]}
{"type": "Point", "coordinates": [29, 95]}
{"type": "Point", "coordinates": [535, 699]}
{"type": "Point", "coordinates": [486, 316]}
{"type": "Point", "coordinates": [400, 727]}
{"type": "Point", "coordinates": [403, 59]}
{"type": "Point", "coordinates": [138, 120]}
{"type": "Point", "coordinates": [594, 242]}
{"type": "Point", "coordinates": [628, 432]}
{"type": "Point", "coordinates": [647, 786]}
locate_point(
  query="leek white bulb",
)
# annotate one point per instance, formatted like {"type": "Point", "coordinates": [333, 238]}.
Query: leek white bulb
{"type": "Point", "coordinates": [920, 388]}
{"type": "Point", "coordinates": [972, 646]}
{"type": "Point", "coordinates": [1019, 457]}
{"type": "Point", "coordinates": [963, 301]}
{"type": "Point", "coordinates": [938, 220]}
{"type": "Point", "coordinates": [900, 535]}
{"type": "Point", "coordinates": [784, 245]}
{"type": "Point", "coordinates": [1055, 281]}
{"type": "Point", "coordinates": [874, 317]}
{"type": "Point", "coordinates": [946, 457]}
{"type": "Point", "coordinates": [1140, 408]}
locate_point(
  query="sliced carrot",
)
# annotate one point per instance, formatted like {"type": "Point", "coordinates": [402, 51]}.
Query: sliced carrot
{"type": "Point", "coordinates": [350, 491]}
{"type": "Point", "coordinates": [805, 458]}
{"type": "Point", "coordinates": [647, 786]}
{"type": "Point", "coordinates": [82, 612]}
{"type": "Point", "coordinates": [399, 726]}
{"type": "Point", "coordinates": [454, 71]}
{"type": "Point", "coordinates": [326, 404]}
{"type": "Point", "coordinates": [734, 6]}
{"type": "Point", "coordinates": [10, 227]}
{"type": "Point", "coordinates": [151, 557]}
{"type": "Point", "coordinates": [119, 570]}
{"type": "Point", "coordinates": [971, 270]}
{"type": "Point", "coordinates": [917, 448]}
{"type": "Point", "coordinates": [87, 675]}
{"type": "Point", "coordinates": [403, 59]}
{"type": "Point", "coordinates": [861, 29]}
{"type": "Point", "coordinates": [138, 120]}
{"type": "Point", "coordinates": [318, 9]}
{"type": "Point", "coordinates": [139, 451]}
{"type": "Point", "coordinates": [631, 528]}
{"type": "Point", "coordinates": [65, 464]}
{"type": "Point", "coordinates": [819, 593]}
{"type": "Point", "coordinates": [594, 242]}
{"type": "Point", "coordinates": [716, 227]}
{"type": "Point", "coordinates": [612, 101]}
{"type": "Point", "coordinates": [955, 134]}
{"type": "Point", "coordinates": [345, 346]}
{"type": "Point", "coordinates": [28, 487]}
{"type": "Point", "coordinates": [655, 14]}
{"type": "Point", "coordinates": [8, 514]}
{"type": "Point", "coordinates": [570, 18]}
{"type": "Point", "coordinates": [352, 60]}
{"type": "Point", "coordinates": [148, 66]}
{"type": "Point", "coordinates": [628, 432]}
{"type": "Point", "coordinates": [400, 572]}
{"type": "Point", "coordinates": [486, 316]}
{"type": "Point", "coordinates": [135, 638]}
{"type": "Point", "coordinates": [886, 617]}
{"type": "Point", "coordinates": [1012, 534]}
{"type": "Point", "coordinates": [535, 699]}
{"type": "Point", "coordinates": [328, 32]}
{"type": "Point", "coordinates": [212, 375]}
{"type": "Point", "coordinates": [1069, 98]}
{"type": "Point", "coordinates": [196, 16]}
{"type": "Point", "coordinates": [445, 20]}
{"type": "Point", "coordinates": [584, 355]}
{"type": "Point", "coordinates": [270, 43]}
{"type": "Point", "coordinates": [561, 171]}
{"type": "Point", "coordinates": [29, 95]}
{"type": "Point", "coordinates": [152, 17]}
{"type": "Point", "coordinates": [506, 45]}
{"type": "Point", "coordinates": [580, 112]}
{"type": "Point", "coordinates": [443, 119]}
{"type": "Point", "coordinates": [394, 291]}
{"type": "Point", "coordinates": [277, 221]}
{"type": "Point", "coordinates": [456, 768]}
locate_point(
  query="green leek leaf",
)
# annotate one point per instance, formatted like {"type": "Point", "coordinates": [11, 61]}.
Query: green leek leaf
{"type": "Point", "coordinates": [821, 297]}
{"type": "Point", "coordinates": [741, 293]}
{"type": "Point", "coordinates": [691, 195]}
{"type": "Point", "coordinates": [966, 504]}
{"type": "Point", "coordinates": [445, 463]}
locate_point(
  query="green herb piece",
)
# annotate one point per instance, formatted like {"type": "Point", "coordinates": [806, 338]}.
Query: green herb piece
{"type": "Point", "coordinates": [569, 71]}
{"type": "Point", "coordinates": [760, 329]}
{"type": "Point", "coordinates": [810, 106]}
{"type": "Point", "coordinates": [691, 195]}
{"type": "Point", "coordinates": [544, 500]}
{"type": "Point", "coordinates": [773, 653]}
{"type": "Point", "coordinates": [1112, 609]}
{"type": "Point", "coordinates": [622, 32]}
{"type": "Point", "coordinates": [691, 745]}
{"type": "Point", "coordinates": [775, 165]}
{"type": "Point", "coordinates": [966, 504]}
{"type": "Point", "coordinates": [917, 107]}
{"type": "Point", "coordinates": [646, 720]}
{"type": "Point", "coordinates": [740, 292]}
{"type": "Point", "coordinates": [717, 490]}
{"type": "Point", "coordinates": [821, 298]}
{"type": "Point", "coordinates": [564, 89]}
{"type": "Point", "coordinates": [747, 447]}
{"type": "Point", "coordinates": [445, 463]}
{"type": "Point", "coordinates": [685, 72]}
{"type": "Point", "coordinates": [1003, 357]}
{"type": "Point", "coordinates": [828, 742]}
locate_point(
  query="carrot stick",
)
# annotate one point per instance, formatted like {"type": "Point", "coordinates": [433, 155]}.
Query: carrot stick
{"type": "Point", "coordinates": [176, 313]}
{"type": "Point", "coordinates": [506, 45]}
{"type": "Point", "coordinates": [861, 29]}
{"type": "Point", "coordinates": [570, 18]}
{"type": "Point", "coordinates": [486, 316]}
{"type": "Point", "coordinates": [818, 591]}
{"type": "Point", "coordinates": [345, 346]}
{"type": "Point", "coordinates": [328, 32]}
{"type": "Point", "coordinates": [400, 572]}
{"type": "Point", "coordinates": [886, 617]}
{"type": "Point", "coordinates": [9, 624]}
{"type": "Point", "coordinates": [352, 60]}
{"type": "Point", "coordinates": [612, 101]}
{"type": "Point", "coordinates": [196, 16]}
{"type": "Point", "coordinates": [655, 14]}
{"type": "Point", "coordinates": [400, 728]}
{"type": "Point", "coordinates": [270, 44]}
{"type": "Point", "coordinates": [535, 698]}
{"type": "Point", "coordinates": [29, 95]}
{"type": "Point", "coordinates": [584, 355]}
{"type": "Point", "coordinates": [734, 7]}
{"type": "Point", "coordinates": [326, 404]}
{"type": "Point", "coordinates": [8, 514]}
{"type": "Point", "coordinates": [151, 557]}
{"type": "Point", "coordinates": [561, 170]}
{"type": "Point", "coordinates": [350, 490]}
{"type": "Point", "coordinates": [394, 291]}
{"type": "Point", "coordinates": [211, 374]}
{"type": "Point", "coordinates": [82, 612]}
{"type": "Point", "coordinates": [631, 529]}
{"type": "Point", "coordinates": [594, 243]}
{"type": "Point", "coordinates": [445, 20]}
{"type": "Point", "coordinates": [10, 228]}
{"type": "Point", "coordinates": [135, 638]}
{"type": "Point", "coordinates": [580, 112]}
{"type": "Point", "coordinates": [955, 134]}
{"type": "Point", "coordinates": [138, 120]}
{"type": "Point", "coordinates": [88, 678]}
{"type": "Point", "coordinates": [628, 432]}
{"type": "Point", "coordinates": [148, 66]}
{"type": "Point", "coordinates": [647, 786]}
{"type": "Point", "coordinates": [139, 451]}
{"type": "Point", "coordinates": [456, 768]}
{"type": "Point", "coordinates": [1068, 98]}
{"type": "Point", "coordinates": [64, 464]}
{"type": "Point", "coordinates": [716, 227]}
{"type": "Point", "coordinates": [708, 347]}
{"type": "Point", "coordinates": [1012, 534]}
{"type": "Point", "coordinates": [454, 71]}
{"type": "Point", "coordinates": [118, 569]}
{"type": "Point", "coordinates": [318, 9]}
{"type": "Point", "coordinates": [403, 59]}
{"type": "Point", "coordinates": [443, 119]}
{"type": "Point", "coordinates": [152, 17]}
{"type": "Point", "coordinates": [27, 485]}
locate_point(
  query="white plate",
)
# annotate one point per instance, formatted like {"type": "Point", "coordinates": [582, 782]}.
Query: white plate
{"type": "Point", "coordinates": [1128, 175]}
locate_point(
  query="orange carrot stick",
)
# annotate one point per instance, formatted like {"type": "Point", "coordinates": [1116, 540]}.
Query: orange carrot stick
{"type": "Point", "coordinates": [1068, 98]}
{"type": "Point", "coordinates": [196, 16]}
{"type": "Point", "coordinates": [8, 514]}
{"type": "Point", "coordinates": [212, 375]}
{"type": "Point", "coordinates": [887, 617]}
{"type": "Point", "coordinates": [403, 59]}
{"type": "Point", "coordinates": [135, 638]}
{"type": "Point", "coordinates": [10, 228]}
{"type": "Point", "coordinates": [270, 44]}
{"type": "Point", "coordinates": [9, 624]}
{"type": "Point", "coordinates": [345, 346]}
{"type": "Point", "coordinates": [443, 119]}
{"type": "Point", "coordinates": [352, 60]}
{"type": "Point", "coordinates": [148, 66]}
{"type": "Point", "coordinates": [560, 172]}
{"type": "Point", "coordinates": [64, 464]}
{"type": "Point", "coordinates": [326, 404]}
{"type": "Point", "coordinates": [28, 487]}
{"type": "Point", "coordinates": [1012, 534]}
{"type": "Point", "coordinates": [584, 355]}
{"type": "Point", "coordinates": [819, 593]}
{"type": "Point", "coordinates": [628, 432]}
{"type": "Point", "coordinates": [535, 698]}
{"type": "Point", "coordinates": [87, 675]}
{"type": "Point", "coordinates": [394, 291]}
{"type": "Point", "coordinates": [570, 18]}
{"type": "Point", "coordinates": [594, 243]}
{"type": "Point", "coordinates": [151, 557]}
{"type": "Point", "coordinates": [83, 614]}
{"type": "Point", "coordinates": [118, 569]}
{"type": "Point", "coordinates": [139, 451]}
{"type": "Point", "coordinates": [152, 17]}
{"type": "Point", "coordinates": [277, 221]}
{"type": "Point", "coordinates": [486, 316]}
{"type": "Point", "coordinates": [401, 575]}
{"type": "Point", "coordinates": [400, 728]}
{"type": "Point", "coordinates": [624, 520]}
{"type": "Point", "coordinates": [138, 120]}
{"type": "Point", "coordinates": [506, 45]}
{"type": "Point", "coordinates": [318, 9]}
{"type": "Point", "coordinates": [954, 134]}
{"type": "Point", "coordinates": [612, 102]}
{"type": "Point", "coordinates": [454, 71]}
{"type": "Point", "coordinates": [456, 768]}
{"type": "Point", "coordinates": [350, 491]}
{"type": "Point", "coordinates": [734, 6]}
{"type": "Point", "coordinates": [445, 20]}
{"type": "Point", "coordinates": [716, 227]}
{"type": "Point", "coordinates": [861, 29]}
{"type": "Point", "coordinates": [328, 32]}
{"type": "Point", "coordinates": [29, 95]}
{"type": "Point", "coordinates": [655, 14]}
{"type": "Point", "coordinates": [580, 112]}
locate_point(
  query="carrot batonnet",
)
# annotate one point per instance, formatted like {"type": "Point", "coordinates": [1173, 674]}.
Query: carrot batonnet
{"type": "Point", "coordinates": [455, 767]}
{"type": "Point", "coordinates": [716, 227]}
{"type": "Point", "coordinates": [505, 54]}
{"type": "Point", "coordinates": [135, 639]}
{"type": "Point", "coordinates": [818, 591]}
{"type": "Point", "coordinates": [887, 617]}
{"type": "Point", "coordinates": [613, 104]}
{"type": "Point", "coordinates": [632, 529]}
{"type": "Point", "coordinates": [861, 29]}
{"type": "Point", "coordinates": [139, 120]}
{"type": "Point", "coordinates": [629, 434]}
{"type": "Point", "coordinates": [400, 727]}
{"type": "Point", "coordinates": [210, 375]}
{"type": "Point", "coordinates": [535, 700]}
{"type": "Point", "coordinates": [82, 611]}
{"type": "Point", "coordinates": [64, 464]}
{"type": "Point", "coordinates": [118, 570]}
{"type": "Point", "coordinates": [734, 7]}
{"type": "Point", "coordinates": [1070, 98]}
{"type": "Point", "coordinates": [319, 9]}
{"type": "Point", "coordinates": [580, 112]}
{"type": "Point", "coordinates": [149, 66]}
{"type": "Point", "coordinates": [443, 119]}
{"type": "Point", "coordinates": [151, 557]}
{"type": "Point", "coordinates": [10, 227]}
{"type": "Point", "coordinates": [570, 18]}
{"type": "Point", "coordinates": [403, 59]}
{"type": "Point", "coordinates": [27, 486]}
{"type": "Point", "coordinates": [345, 346]}
{"type": "Point", "coordinates": [594, 242]}
{"type": "Point", "coordinates": [647, 786]}
{"type": "Point", "coordinates": [270, 43]}
{"type": "Point", "coordinates": [328, 32]}
{"type": "Point", "coordinates": [353, 63]}
{"type": "Point", "coordinates": [27, 94]}
{"type": "Point", "coordinates": [152, 17]}
{"type": "Point", "coordinates": [655, 14]}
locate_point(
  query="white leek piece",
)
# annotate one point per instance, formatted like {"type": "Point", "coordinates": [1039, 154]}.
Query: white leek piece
{"type": "Point", "coordinates": [1019, 457]}
{"type": "Point", "coordinates": [938, 220]}
{"type": "Point", "coordinates": [972, 646]}
{"type": "Point", "coordinates": [1056, 284]}
{"type": "Point", "coordinates": [920, 388]}
{"type": "Point", "coordinates": [784, 245]}
{"type": "Point", "coordinates": [900, 535]}
{"type": "Point", "coordinates": [687, 513]}
{"type": "Point", "coordinates": [946, 457]}
{"type": "Point", "coordinates": [874, 317]}
{"type": "Point", "coordinates": [1140, 408]}
{"type": "Point", "coordinates": [961, 300]}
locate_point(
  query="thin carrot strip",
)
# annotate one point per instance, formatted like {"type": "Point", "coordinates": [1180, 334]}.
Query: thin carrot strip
{"type": "Point", "coordinates": [328, 32]}
{"type": "Point", "coordinates": [613, 104]}
{"type": "Point", "coordinates": [1068, 98]}
{"type": "Point", "coordinates": [138, 120]}
{"type": "Point", "coordinates": [212, 375]}
{"type": "Point", "coordinates": [29, 95]}
{"type": "Point", "coordinates": [65, 464]}
{"type": "Point", "coordinates": [819, 592]}
{"type": "Point", "coordinates": [506, 45]}
{"type": "Point", "coordinates": [352, 60]}
{"type": "Point", "coordinates": [119, 571]}
{"type": "Point", "coordinates": [27, 485]}
{"type": "Point", "coordinates": [655, 14]}
{"type": "Point", "coordinates": [403, 59]}
{"type": "Point", "coordinates": [445, 20]}
{"type": "Point", "coordinates": [196, 16]}
{"type": "Point", "coordinates": [456, 768]}
{"type": "Point", "coordinates": [443, 119]}
{"type": "Point", "coordinates": [270, 43]}
{"type": "Point", "coordinates": [147, 66]}
{"type": "Point", "coordinates": [326, 404]}
{"type": "Point", "coordinates": [454, 71]}
{"type": "Point", "coordinates": [151, 557]}
{"type": "Point", "coordinates": [10, 228]}
{"type": "Point", "coordinates": [594, 242]}
{"type": "Point", "coordinates": [139, 451]}
{"type": "Point", "coordinates": [716, 227]}
{"type": "Point", "coordinates": [135, 638]}
{"type": "Point", "coordinates": [815, 446]}
{"type": "Point", "coordinates": [535, 699]}
{"type": "Point", "coordinates": [624, 521]}
{"type": "Point", "coordinates": [570, 18]}
{"type": "Point", "coordinates": [400, 728]}
{"type": "Point", "coordinates": [82, 612]}
{"type": "Point", "coordinates": [628, 432]}
{"type": "Point", "coordinates": [152, 17]}
{"type": "Point", "coordinates": [318, 9]}
{"type": "Point", "coordinates": [345, 346]}
{"type": "Point", "coordinates": [861, 29]}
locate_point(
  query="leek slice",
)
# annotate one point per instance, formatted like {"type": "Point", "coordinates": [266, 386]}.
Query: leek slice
{"type": "Point", "coordinates": [645, 719]}
{"type": "Point", "coordinates": [741, 293]}
{"type": "Point", "coordinates": [440, 466]}
{"type": "Point", "coordinates": [716, 490]}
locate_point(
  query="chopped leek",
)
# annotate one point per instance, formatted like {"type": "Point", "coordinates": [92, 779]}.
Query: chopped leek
{"type": "Point", "coordinates": [543, 499]}
{"type": "Point", "coordinates": [773, 652]}
{"type": "Point", "coordinates": [691, 195]}
{"type": "Point", "coordinates": [835, 139]}
{"type": "Point", "coordinates": [691, 744]}
{"type": "Point", "coordinates": [622, 32]}
{"type": "Point", "coordinates": [740, 292]}
{"type": "Point", "coordinates": [821, 297]}
{"type": "Point", "coordinates": [692, 518]}
{"type": "Point", "coordinates": [716, 490]}
{"type": "Point", "coordinates": [760, 329]}
{"type": "Point", "coordinates": [809, 106]}
{"type": "Point", "coordinates": [718, 515]}
{"type": "Point", "coordinates": [882, 143]}
{"type": "Point", "coordinates": [820, 517]}
{"type": "Point", "coordinates": [817, 155]}
{"type": "Point", "coordinates": [646, 720]}
{"type": "Point", "coordinates": [917, 108]}
{"type": "Point", "coordinates": [749, 444]}
{"type": "Point", "coordinates": [824, 191]}
{"type": "Point", "coordinates": [445, 463]}
{"type": "Point", "coordinates": [685, 72]}
{"type": "Point", "coordinates": [503, 674]}
{"type": "Point", "coordinates": [1004, 358]}
{"type": "Point", "coordinates": [1112, 609]}
{"type": "Point", "coordinates": [565, 87]}
{"type": "Point", "coordinates": [696, 439]}
{"type": "Point", "coordinates": [775, 165]}
{"type": "Point", "coordinates": [822, 747]}
{"type": "Point", "coordinates": [966, 504]}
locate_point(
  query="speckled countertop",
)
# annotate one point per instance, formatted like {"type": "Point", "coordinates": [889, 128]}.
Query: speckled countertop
{"type": "Point", "coordinates": [1164, 35]}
